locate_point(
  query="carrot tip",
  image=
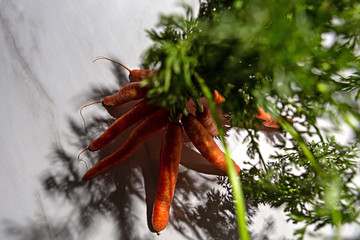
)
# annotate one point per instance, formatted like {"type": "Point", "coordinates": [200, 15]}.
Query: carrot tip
{"type": "Point", "coordinates": [111, 60]}
{"type": "Point", "coordinates": [85, 107]}
{"type": "Point", "coordinates": [84, 160]}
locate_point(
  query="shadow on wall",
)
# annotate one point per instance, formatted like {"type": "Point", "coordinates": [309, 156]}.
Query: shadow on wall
{"type": "Point", "coordinates": [115, 192]}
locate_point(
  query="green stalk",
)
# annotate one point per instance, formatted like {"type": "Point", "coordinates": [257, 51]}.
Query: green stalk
{"type": "Point", "coordinates": [290, 129]}
{"type": "Point", "coordinates": [199, 105]}
{"type": "Point", "coordinates": [237, 191]}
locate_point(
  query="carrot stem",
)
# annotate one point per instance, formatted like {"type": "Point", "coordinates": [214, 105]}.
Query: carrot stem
{"type": "Point", "coordinates": [234, 180]}
{"type": "Point", "coordinates": [185, 112]}
{"type": "Point", "coordinates": [199, 105]}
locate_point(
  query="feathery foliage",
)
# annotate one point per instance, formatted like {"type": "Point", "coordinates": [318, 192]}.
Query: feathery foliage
{"type": "Point", "coordinates": [295, 59]}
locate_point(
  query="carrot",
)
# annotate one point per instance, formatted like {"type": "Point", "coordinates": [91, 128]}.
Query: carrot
{"type": "Point", "coordinates": [269, 123]}
{"type": "Point", "coordinates": [142, 74]}
{"type": "Point", "coordinates": [218, 98]}
{"type": "Point", "coordinates": [142, 131]}
{"type": "Point", "coordinates": [170, 154]}
{"type": "Point", "coordinates": [139, 74]}
{"type": "Point", "coordinates": [203, 141]}
{"type": "Point", "coordinates": [207, 120]}
{"type": "Point", "coordinates": [135, 114]}
{"type": "Point", "coordinates": [131, 91]}
{"type": "Point", "coordinates": [204, 115]}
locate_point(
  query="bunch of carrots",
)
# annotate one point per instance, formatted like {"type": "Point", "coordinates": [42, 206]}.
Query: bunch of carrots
{"type": "Point", "coordinates": [150, 119]}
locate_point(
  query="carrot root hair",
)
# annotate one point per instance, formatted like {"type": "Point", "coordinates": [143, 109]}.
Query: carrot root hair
{"type": "Point", "coordinates": [82, 116]}
{"type": "Point", "coordinates": [111, 60]}
{"type": "Point", "coordinates": [83, 159]}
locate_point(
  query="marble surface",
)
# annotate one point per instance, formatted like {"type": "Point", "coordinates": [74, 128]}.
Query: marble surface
{"type": "Point", "coordinates": [47, 74]}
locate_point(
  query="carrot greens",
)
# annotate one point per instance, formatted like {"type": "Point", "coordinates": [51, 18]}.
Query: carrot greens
{"type": "Point", "coordinates": [296, 60]}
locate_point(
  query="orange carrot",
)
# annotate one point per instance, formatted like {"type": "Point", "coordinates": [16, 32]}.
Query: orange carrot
{"type": "Point", "coordinates": [203, 141]}
{"type": "Point", "coordinates": [142, 131]}
{"type": "Point", "coordinates": [135, 114]}
{"type": "Point", "coordinates": [218, 98]}
{"type": "Point", "coordinates": [170, 155]}
{"type": "Point", "coordinates": [129, 92]}
{"type": "Point", "coordinates": [142, 74]}
{"type": "Point", "coordinates": [269, 123]}
{"type": "Point", "coordinates": [207, 120]}
{"type": "Point", "coordinates": [139, 74]}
